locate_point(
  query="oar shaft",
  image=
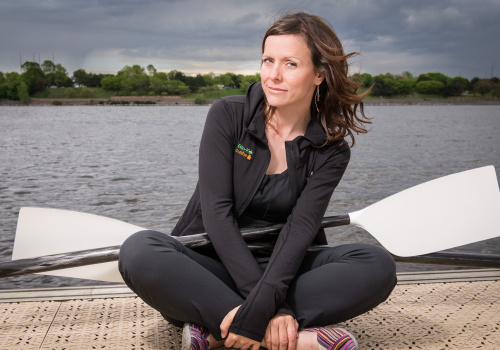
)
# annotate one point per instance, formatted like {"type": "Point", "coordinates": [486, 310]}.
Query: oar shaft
{"type": "Point", "coordinates": [58, 261]}
{"type": "Point", "coordinates": [454, 259]}
{"type": "Point", "coordinates": [101, 255]}
{"type": "Point", "coordinates": [96, 256]}
{"type": "Point", "coordinates": [107, 254]}
{"type": "Point", "coordinates": [201, 241]}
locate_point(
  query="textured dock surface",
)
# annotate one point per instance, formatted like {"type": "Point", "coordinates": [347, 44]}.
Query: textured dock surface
{"type": "Point", "coordinates": [451, 315]}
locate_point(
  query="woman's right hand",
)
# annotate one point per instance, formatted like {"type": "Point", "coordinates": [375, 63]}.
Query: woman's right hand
{"type": "Point", "coordinates": [235, 340]}
{"type": "Point", "coordinates": [281, 333]}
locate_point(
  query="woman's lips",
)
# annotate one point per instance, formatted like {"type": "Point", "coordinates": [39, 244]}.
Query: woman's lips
{"type": "Point", "coordinates": [277, 90]}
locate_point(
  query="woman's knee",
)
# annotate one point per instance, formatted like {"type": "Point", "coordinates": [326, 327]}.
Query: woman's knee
{"type": "Point", "coordinates": [383, 273]}
{"type": "Point", "coordinates": [376, 262]}
{"type": "Point", "coordinates": [140, 247]}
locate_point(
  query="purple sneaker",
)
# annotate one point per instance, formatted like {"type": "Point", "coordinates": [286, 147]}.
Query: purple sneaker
{"type": "Point", "coordinates": [194, 337]}
{"type": "Point", "coordinates": [335, 338]}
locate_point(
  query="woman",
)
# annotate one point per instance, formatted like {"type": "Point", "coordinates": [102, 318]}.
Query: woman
{"type": "Point", "coordinates": [272, 156]}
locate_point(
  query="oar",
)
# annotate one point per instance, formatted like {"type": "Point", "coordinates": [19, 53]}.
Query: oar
{"type": "Point", "coordinates": [440, 214]}
{"type": "Point", "coordinates": [101, 255]}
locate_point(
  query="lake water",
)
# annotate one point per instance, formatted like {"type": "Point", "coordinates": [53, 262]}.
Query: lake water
{"type": "Point", "coordinates": [139, 164]}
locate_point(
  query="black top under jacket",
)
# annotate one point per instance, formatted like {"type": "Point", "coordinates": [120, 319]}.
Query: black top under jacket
{"type": "Point", "coordinates": [233, 159]}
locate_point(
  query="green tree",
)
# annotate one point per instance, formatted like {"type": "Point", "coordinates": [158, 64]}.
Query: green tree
{"type": "Point", "coordinates": [483, 86]}
{"type": "Point", "coordinates": [407, 75]}
{"type": "Point", "coordinates": [22, 92]}
{"type": "Point", "coordinates": [12, 76]}
{"type": "Point", "coordinates": [9, 87]}
{"type": "Point", "coordinates": [176, 75]}
{"type": "Point", "coordinates": [404, 86]}
{"type": "Point", "coordinates": [48, 67]}
{"type": "Point", "coordinates": [80, 77]}
{"type": "Point", "coordinates": [247, 80]}
{"type": "Point", "coordinates": [195, 83]}
{"type": "Point", "coordinates": [3, 90]}
{"type": "Point", "coordinates": [176, 87]}
{"type": "Point", "coordinates": [133, 78]}
{"type": "Point", "coordinates": [33, 76]}
{"type": "Point", "coordinates": [434, 76]}
{"type": "Point", "coordinates": [209, 79]}
{"type": "Point", "coordinates": [455, 87]}
{"type": "Point", "coordinates": [94, 80]}
{"type": "Point", "coordinates": [495, 91]}
{"type": "Point", "coordinates": [431, 87]}
{"type": "Point", "coordinates": [61, 78]}
{"type": "Point", "coordinates": [151, 70]}
{"type": "Point", "coordinates": [367, 79]}
{"type": "Point", "coordinates": [112, 83]}
{"type": "Point", "coordinates": [3, 85]}
{"type": "Point", "coordinates": [158, 83]}
{"type": "Point", "coordinates": [383, 86]}
{"type": "Point", "coordinates": [225, 80]}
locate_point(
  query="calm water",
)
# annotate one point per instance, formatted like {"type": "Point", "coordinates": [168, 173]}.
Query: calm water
{"type": "Point", "coordinates": [138, 164]}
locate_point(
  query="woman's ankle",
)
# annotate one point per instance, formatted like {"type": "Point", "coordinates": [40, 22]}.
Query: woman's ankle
{"type": "Point", "coordinates": [307, 341]}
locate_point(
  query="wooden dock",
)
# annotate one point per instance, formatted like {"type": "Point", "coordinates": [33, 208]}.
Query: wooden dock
{"type": "Point", "coordinates": [434, 310]}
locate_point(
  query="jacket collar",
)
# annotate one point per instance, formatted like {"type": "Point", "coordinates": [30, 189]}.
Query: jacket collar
{"type": "Point", "coordinates": [255, 120]}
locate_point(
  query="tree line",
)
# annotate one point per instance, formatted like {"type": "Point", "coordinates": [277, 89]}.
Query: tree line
{"type": "Point", "coordinates": [131, 80]}
{"type": "Point", "coordinates": [426, 84]}
{"type": "Point", "coordinates": [140, 81]}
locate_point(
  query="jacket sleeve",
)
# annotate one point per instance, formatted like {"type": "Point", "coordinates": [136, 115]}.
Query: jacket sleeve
{"type": "Point", "coordinates": [216, 196]}
{"type": "Point", "coordinates": [296, 236]}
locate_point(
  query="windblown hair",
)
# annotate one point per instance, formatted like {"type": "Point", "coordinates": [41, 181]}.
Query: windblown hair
{"type": "Point", "coordinates": [339, 103]}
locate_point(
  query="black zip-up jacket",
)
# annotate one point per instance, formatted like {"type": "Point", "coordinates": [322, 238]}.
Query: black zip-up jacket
{"type": "Point", "coordinates": [233, 158]}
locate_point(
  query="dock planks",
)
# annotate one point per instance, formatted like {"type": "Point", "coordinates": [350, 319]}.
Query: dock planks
{"type": "Point", "coordinates": [436, 315]}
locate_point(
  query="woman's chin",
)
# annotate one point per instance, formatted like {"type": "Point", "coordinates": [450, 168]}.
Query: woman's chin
{"type": "Point", "coordinates": [275, 101]}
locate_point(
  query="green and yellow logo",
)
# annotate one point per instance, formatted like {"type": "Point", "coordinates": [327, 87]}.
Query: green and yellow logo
{"type": "Point", "coordinates": [243, 151]}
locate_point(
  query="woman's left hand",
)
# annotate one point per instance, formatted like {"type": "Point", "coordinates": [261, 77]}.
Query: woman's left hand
{"type": "Point", "coordinates": [281, 333]}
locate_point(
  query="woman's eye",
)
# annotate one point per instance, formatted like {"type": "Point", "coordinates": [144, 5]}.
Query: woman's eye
{"type": "Point", "coordinates": [266, 60]}
{"type": "Point", "coordinates": [291, 64]}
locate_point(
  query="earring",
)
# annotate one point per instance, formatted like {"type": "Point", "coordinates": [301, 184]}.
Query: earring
{"type": "Point", "coordinates": [316, 100]}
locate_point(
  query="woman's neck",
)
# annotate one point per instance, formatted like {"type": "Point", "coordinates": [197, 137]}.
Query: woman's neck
{"type": "Point", "coordinates": [289, 124]}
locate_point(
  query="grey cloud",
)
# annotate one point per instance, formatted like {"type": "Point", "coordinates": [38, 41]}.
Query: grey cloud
{"type": "Point", "coordinates": [451, 35]}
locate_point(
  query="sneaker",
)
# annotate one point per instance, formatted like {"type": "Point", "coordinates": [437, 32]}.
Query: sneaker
{"type": "Point", "coordinates": [194, 337]}
{"type": "Point", "coordinates": [335, 338]}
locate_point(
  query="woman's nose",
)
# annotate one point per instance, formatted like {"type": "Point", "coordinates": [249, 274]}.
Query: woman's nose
{"type": "Point", "coordinates": [275, 73]}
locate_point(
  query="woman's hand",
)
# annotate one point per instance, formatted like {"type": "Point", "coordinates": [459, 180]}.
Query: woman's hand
{"type": "Point", "coordinates": [281, 333]}
{"type": "Point", "coordinates": [235, 340]}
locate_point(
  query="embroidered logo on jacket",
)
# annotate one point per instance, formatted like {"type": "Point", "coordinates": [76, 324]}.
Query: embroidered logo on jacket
{"type": "Point", "coordinates": [243, 151]}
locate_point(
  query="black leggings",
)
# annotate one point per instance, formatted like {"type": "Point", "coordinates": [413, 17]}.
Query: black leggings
{"type": "Point", "coordinates": [332, 285]}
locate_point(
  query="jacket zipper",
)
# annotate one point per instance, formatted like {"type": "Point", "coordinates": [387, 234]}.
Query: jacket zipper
{"type": "Point", "coordinates": [292, 167]}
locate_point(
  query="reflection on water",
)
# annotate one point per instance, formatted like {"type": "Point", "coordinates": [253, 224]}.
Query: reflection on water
{"type": "Point", "coordinates": [139, 164]}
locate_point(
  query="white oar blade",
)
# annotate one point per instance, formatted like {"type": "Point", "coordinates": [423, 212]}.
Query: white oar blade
{"type": "Point", "coordinates": [43, 231]}
{"type": "Point", "coordinates": [451, 211]}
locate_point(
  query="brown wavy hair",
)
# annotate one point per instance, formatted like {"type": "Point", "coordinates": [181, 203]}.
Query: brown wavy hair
{"type": "Point", "coordinates": [339, 105]}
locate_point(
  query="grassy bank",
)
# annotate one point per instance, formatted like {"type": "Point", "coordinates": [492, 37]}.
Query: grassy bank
{"type": "Point", "coordinates": [210, 95]}
{"type": "Point", "coordinates": [62, 93]}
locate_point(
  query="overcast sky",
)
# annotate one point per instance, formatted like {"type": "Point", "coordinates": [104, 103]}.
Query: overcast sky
{"type": "Point", "coordinates": [455, 37]}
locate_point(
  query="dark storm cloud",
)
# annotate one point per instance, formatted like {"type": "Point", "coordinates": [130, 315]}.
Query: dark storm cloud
{"type": "Point", "coordinates": [451, 36]}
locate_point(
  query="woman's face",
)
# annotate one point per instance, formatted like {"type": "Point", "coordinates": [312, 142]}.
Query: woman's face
{"type": "Point", "coordinates": [287, 72]}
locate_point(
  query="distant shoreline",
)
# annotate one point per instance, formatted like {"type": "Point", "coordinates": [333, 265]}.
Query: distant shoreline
{"type": "Point", "coordinates": [178, 101]}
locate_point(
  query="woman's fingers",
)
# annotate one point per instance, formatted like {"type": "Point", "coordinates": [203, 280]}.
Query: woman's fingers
{"type": "Point", "coordinates": [240, 342]}
{"type": "Point", "coordinates": [227, 321]}
{"type": "Point", "coordinates": [281, 333]}
{"type": "Point", "coordinates": [292, 328]}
